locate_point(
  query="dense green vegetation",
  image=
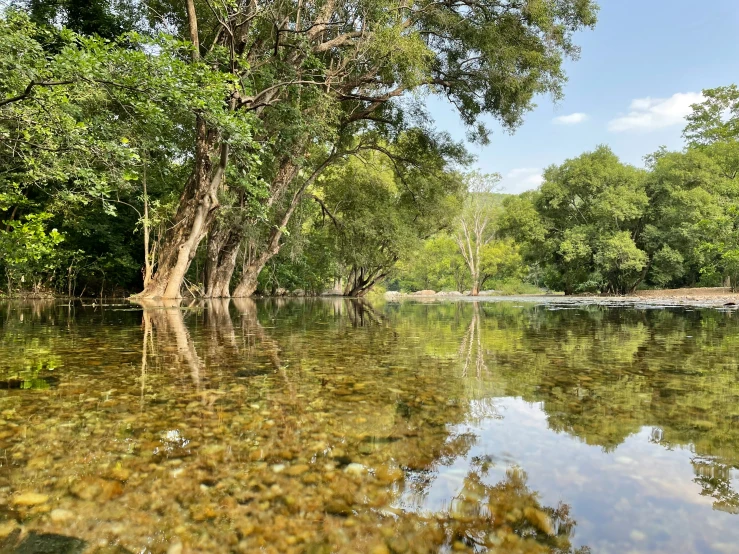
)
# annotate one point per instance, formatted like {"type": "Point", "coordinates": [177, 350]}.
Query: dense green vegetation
{"type": "Point", "coordinates": [162, 146]}
{"type": "Point", "coordinates": [599, 225]}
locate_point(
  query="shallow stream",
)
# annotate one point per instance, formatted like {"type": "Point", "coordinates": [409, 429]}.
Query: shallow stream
{"type": "Point", "coordinates": [331, 425]}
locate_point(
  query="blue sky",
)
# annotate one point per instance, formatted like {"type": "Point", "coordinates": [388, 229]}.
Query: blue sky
{"type": "Point", "coordinates": [640, 69]}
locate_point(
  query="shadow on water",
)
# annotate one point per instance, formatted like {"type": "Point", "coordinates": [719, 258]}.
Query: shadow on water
{"type": "Point", "coordinates": [335, 425]}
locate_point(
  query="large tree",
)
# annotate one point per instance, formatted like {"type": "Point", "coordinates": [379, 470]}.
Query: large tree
{"type": "Point", "coordinates": [81, 122]}
{"type": "Point", "coordinates": [584, 223]}
{"type": "Point", "coordinates": [320, 74]}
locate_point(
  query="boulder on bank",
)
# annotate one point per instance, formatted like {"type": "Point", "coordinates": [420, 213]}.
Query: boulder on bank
{"type": "Point", "coordinates": [425, 293]}
{"type": "Point", "coordinates": [298, 292]}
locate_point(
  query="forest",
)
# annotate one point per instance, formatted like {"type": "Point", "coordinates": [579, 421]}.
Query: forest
{"type": "Point", "coordinates": [161, 148]}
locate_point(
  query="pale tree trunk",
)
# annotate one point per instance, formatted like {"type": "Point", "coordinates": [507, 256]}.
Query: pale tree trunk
{"type": "Point", "coordinates": [250, 278]}
{"type": "Point", "coordinates": [149, 253]}
{"type": "Point", "coordinates": [470, 242]}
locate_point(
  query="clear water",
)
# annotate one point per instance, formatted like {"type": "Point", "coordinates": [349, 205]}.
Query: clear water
{"type": "Point", "coordinates": [335, 426]}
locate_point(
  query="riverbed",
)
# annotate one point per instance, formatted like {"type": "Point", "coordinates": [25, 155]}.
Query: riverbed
{"type": "Point", "coordinates": [334, 425]}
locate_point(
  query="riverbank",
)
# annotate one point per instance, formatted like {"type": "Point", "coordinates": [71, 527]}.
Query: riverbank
{"type": "Point", "coordinates": [716, 297]}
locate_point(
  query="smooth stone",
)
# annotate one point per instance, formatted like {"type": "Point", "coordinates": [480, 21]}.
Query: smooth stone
{"type": "Point", "coordinates": [297, 469]}
{"type": "Point", "coordinates": [30, 499]}
{"type": "Point", "coordinates": [354, 469]}
{"type": "Point", "coordinates": [59, 515]}
{"type": "Point", "coordinates": [338, 508]}
{"type": "Point", "coordinates": [388, 474]}
{"type": "Point", "coordinates": [6, 528]}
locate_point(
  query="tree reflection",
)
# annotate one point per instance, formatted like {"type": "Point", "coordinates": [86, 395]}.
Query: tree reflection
{"type": "Point", "coordinates": [165, 330]}
{"type": "Point", "coordinates": [715, 481]}
{"type": "Point", "coordinates": [472, 342]}
{"type": "Point", "coordinates": [341, 423]}
{"type": "Point", "coordinates": [507, 516]}
{"type": "Point", "coordinates": [603, 374]}
{"type": "Point", "coordinates": [253, 333]}
{"type": "Point", "coordinates": [361, 313]}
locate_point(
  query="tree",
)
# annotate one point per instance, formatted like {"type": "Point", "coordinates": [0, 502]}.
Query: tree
{"type": "Point", "coordinates": [104, 18]}
{"type": "Point", "coordinates": [436, 265]}
{"type": "Point", "coordinates": [252, 103]}
{"type": "Point", "coordinates": [384, 205]}
{"type": "Point", "coordinates": [501, 261]}
{"type": "Point", "coordinates": [584, 224]}
{"type": "Point", "coordinates": [82, 123]}
{"type": "Point", "coordinates": [320, 75]}
{"type": "Point", "coordinates": [476, 226]}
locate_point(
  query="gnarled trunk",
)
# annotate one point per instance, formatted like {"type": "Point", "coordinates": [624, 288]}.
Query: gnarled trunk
{"type": "Point", "coordinates": [197, 202]}
{"type": "Point", "coordinates": [361, 280]}
{"type": "Point", "coordinates": [194, 214]}
{"type": "Point", "coordinates": [287, 173]}
{"type": "Point", "coordinates": [249, 279]}
{"type": "Point", "coordinates": [223, 249]}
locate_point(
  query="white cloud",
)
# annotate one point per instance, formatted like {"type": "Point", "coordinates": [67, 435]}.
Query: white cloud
{"type": "Point", "coordinates": [521, 179]}
{"type": "Point", "coordinates": [649, 114]}
{"type": "Point", "coordinates": [572, 119]}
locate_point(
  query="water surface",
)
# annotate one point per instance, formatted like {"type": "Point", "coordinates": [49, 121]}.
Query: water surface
{"type": "Point", "coordinates": [335, 426]}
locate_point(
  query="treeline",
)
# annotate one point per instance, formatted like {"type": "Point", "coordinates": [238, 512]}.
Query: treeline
{"type": "Point", "coordinates": [599, 225]}
{"type": "Point", "coordinates": [161, 147]}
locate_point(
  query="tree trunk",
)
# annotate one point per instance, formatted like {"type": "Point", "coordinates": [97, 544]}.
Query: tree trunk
{"type": "Point", "coordinates": [287, 173]}
{"type": "Point", "coordinates": [223, 249]}
{"type": "Point", "coordinates": [360, 283]}
{"type": "Point", "coordinates": [194, 214]}
{"type": "Point", "coordinates": [249, 280]}
{"type": "Point", "coordinates": [475, 290]}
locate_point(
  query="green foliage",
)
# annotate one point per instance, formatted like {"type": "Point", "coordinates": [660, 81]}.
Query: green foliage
{"type": "Point", "coordinates": [436, 265]}
{"type": "Point", "coordinates": [95, 105]}
{"type": "Point", "coordinates": [28, 251]}
{"type": "Point", "coordinates": [502, 262]}
{"type": "Point", "coordinates": [84, 124]}
{"type": "Point", "coordinates": [597, 225]}
{"type": "Point", "coordinates": [579, 224]}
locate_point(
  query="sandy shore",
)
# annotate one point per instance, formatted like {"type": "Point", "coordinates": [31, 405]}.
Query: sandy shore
{"type": "Point", "coordinates": [698, 297]}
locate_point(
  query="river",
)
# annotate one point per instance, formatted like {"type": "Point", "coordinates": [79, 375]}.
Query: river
{"type": "Point", "coordinates": [333, 425]}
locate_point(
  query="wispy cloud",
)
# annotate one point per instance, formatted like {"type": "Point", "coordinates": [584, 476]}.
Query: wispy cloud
{"type": "Point", "coordinates": [571, 119]}
{"type": "Point", "coordinates": [521, 179]}
{"type": "Point", "coordinates": [649, 114]}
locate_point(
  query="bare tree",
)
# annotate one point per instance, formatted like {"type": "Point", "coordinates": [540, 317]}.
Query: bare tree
{"type": "Point", "coordinates": [475, 227]}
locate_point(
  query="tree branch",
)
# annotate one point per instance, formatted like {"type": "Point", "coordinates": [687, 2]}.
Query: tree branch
{"type": "Point", "coordinates": [29, 89]}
